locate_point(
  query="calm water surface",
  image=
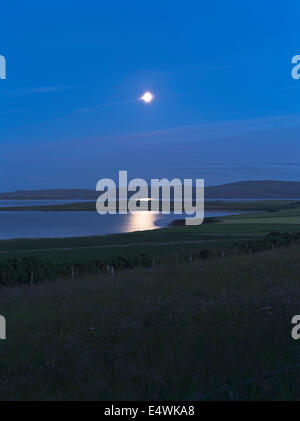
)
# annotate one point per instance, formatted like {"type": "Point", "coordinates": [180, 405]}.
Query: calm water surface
{"type": "Point", "coordinates": [75, 224]}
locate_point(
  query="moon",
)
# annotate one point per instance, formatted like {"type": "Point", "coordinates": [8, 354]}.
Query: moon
{"type": "Point", "coordinates": [147, 97]}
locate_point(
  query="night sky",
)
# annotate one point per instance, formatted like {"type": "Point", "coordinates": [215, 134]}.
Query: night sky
{"type": "Point", "coordinates": [226, 107]}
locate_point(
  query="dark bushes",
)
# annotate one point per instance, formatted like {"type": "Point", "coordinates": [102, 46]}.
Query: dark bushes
{"type": "Point", "coordinates": [23, 270]}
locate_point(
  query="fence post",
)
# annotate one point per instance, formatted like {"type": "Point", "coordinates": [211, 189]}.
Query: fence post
{"type": "Point", "coordinates": [112, 271]}
{"type": "Point", "coordinates": [108, 268]}
{"type": "Point", "coordinates": [153, 264]}
{"type": "Point", "coordinates": [72, 272]}
{"type": "Point", "coordinates": [190, 260]}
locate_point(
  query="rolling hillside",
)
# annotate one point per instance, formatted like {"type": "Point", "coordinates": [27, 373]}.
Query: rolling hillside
{"type": "Point", "coordinates": [265, 189]}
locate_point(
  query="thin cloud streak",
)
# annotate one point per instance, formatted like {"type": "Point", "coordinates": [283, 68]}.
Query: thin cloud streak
{"type": "Point", "coordinates": [36, 91]}
{"type": "Point", "coordinates": [105, 104]}
{"type": "Point", "coordinates": [42, 90]}
{"type": "Point", "coordinates": [11, 111]}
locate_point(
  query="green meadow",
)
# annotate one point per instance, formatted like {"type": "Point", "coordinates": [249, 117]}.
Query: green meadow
{"type": "Point", "coordinates": [280, 216]}
{"type": "Point", "coordinates": [176, 332]}
{"type": "Point", "coordinates": [172, 330]}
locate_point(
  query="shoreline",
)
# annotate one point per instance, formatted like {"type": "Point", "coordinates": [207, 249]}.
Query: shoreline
{"type": "Point", "coordinates": [218, 205]}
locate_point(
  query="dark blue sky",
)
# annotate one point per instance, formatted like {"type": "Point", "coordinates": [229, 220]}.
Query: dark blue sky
{"type": "Point", "coordinates": [225, 109]}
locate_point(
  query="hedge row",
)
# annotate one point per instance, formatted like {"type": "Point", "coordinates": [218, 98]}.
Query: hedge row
{"type": "Point", "coordinates": [32, 269]}
{"type": "Point", "coordinates": [269, 241]}
{"type": "Point", "coordinates": [26, 269]}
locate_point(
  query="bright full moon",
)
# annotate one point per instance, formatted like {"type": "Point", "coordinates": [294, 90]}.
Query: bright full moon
{"type": "Point", "coordinates": [147, 97]}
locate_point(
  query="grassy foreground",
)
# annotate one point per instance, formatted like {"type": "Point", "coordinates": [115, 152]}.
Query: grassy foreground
{"type": "Point", "coordinates": [215, 329]}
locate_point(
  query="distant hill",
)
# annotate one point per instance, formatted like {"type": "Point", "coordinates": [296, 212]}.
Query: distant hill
{"type": "Point", "coordinates": [265, 189]}
{"type": "Point", "coordinates": [66, 194]}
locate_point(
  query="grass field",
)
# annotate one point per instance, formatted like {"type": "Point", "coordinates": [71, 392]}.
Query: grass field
{"type": "Point", "coordinates": [210, 329]}
{"type": "Point", "coordinates": [218, 329]}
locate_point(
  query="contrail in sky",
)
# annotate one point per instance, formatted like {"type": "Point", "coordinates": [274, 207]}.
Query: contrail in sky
{"type": "Point", "coordinates": [104, 104]}
{"type": "Point", "coordinates": [146, 97]}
